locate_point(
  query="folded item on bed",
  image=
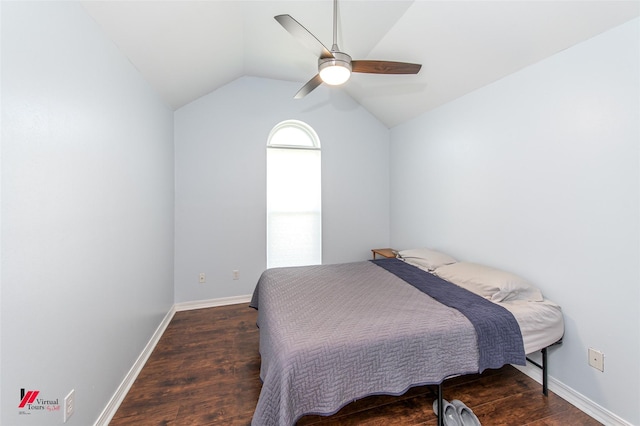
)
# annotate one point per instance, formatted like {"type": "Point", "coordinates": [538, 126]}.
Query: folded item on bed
{"type": "Point", "coordinates": [498, 332]}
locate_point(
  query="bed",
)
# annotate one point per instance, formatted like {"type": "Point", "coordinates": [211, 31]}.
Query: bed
{"type": "Point", "coordinates": [332, 334]}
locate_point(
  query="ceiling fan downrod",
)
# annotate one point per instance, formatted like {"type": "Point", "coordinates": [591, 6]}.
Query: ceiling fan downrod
{"type": "Point", "coordinates": [336, 70]}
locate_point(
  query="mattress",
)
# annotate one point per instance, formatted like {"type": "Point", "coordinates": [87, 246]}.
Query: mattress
{"type": "Point", "coordinates": [541, 323]}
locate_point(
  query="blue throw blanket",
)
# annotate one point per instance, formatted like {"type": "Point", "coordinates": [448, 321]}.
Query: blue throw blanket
{"type": "Point", "coordinates": [498, 332]}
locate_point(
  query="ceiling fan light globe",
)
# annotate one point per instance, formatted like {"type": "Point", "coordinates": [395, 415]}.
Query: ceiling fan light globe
{"type": "Point", "coordinates": [335, 75]}
{"type": "Point", "coordinates": [335, 71]}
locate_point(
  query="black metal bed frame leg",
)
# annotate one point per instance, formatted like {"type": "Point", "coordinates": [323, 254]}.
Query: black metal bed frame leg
{"type": "Point", "coordinates": [440, 406]}
{"type": "Point", "coordinates": [545, 373]}
{"type": "Point", "coordinates": [545, 387]}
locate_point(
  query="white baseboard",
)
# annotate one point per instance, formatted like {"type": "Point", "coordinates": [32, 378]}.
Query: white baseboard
{"type": "Point", "coordinates": [210, 303]}
{"type": "Point", "coordinates": [570, 395]}
{"type": "Point", "coordinates": [117, 398]}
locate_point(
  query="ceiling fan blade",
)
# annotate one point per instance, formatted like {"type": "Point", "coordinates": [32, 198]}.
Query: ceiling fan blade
{"type": "Point", "coordinates": [308, 88]}
{"type": "Point", "coordinates": [385, 67]}
{"type": "Point", "coordinates": [303, 35]}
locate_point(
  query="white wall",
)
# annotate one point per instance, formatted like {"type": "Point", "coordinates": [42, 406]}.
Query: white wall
{"type": "Point", "coordinates": [539, 174]}
{"type": "Point", "coordinates": [87, 211]}
{"type": "Point", "coordinates": [221, 190]}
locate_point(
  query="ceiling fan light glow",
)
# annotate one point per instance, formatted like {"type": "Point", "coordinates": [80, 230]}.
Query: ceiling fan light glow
{"type": "Point", "coordinates": [335, 75]}
{"type": "Point", "coordinates": [335, 71]}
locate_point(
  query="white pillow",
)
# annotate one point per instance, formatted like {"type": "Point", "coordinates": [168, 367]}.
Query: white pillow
{"type": "Point", "coordinates": [425, 258]}
{"type": "Point", "coordinates": [490, 283]}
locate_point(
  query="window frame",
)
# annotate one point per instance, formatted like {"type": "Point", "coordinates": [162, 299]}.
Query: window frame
{"type": "Point", "coordinates": [313, 136]}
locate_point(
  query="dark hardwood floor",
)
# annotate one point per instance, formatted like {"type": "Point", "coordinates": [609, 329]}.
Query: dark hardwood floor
{"type": "Point", "coordinates": [204, 371]}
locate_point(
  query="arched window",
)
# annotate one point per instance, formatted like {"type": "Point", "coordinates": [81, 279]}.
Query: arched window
{"type": "Point", "coordinates": [294, 217]}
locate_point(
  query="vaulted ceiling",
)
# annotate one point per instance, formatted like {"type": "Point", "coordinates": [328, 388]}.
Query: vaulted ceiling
{"type": "Point", "coordinates": [187, 49]}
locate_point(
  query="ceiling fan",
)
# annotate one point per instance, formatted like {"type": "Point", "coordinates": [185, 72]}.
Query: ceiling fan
{"type": "Point", "coordinates": [335, 67]}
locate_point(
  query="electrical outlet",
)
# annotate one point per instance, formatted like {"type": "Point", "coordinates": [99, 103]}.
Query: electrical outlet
{"type": "Point", "coordinates": [236, 274]}
{"type": "Point", "coordinates": [596, 359]}
{"type": "Point", "coordinates": [202, 278]}
{"type": "Point", "coordinates": [69, 405]}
